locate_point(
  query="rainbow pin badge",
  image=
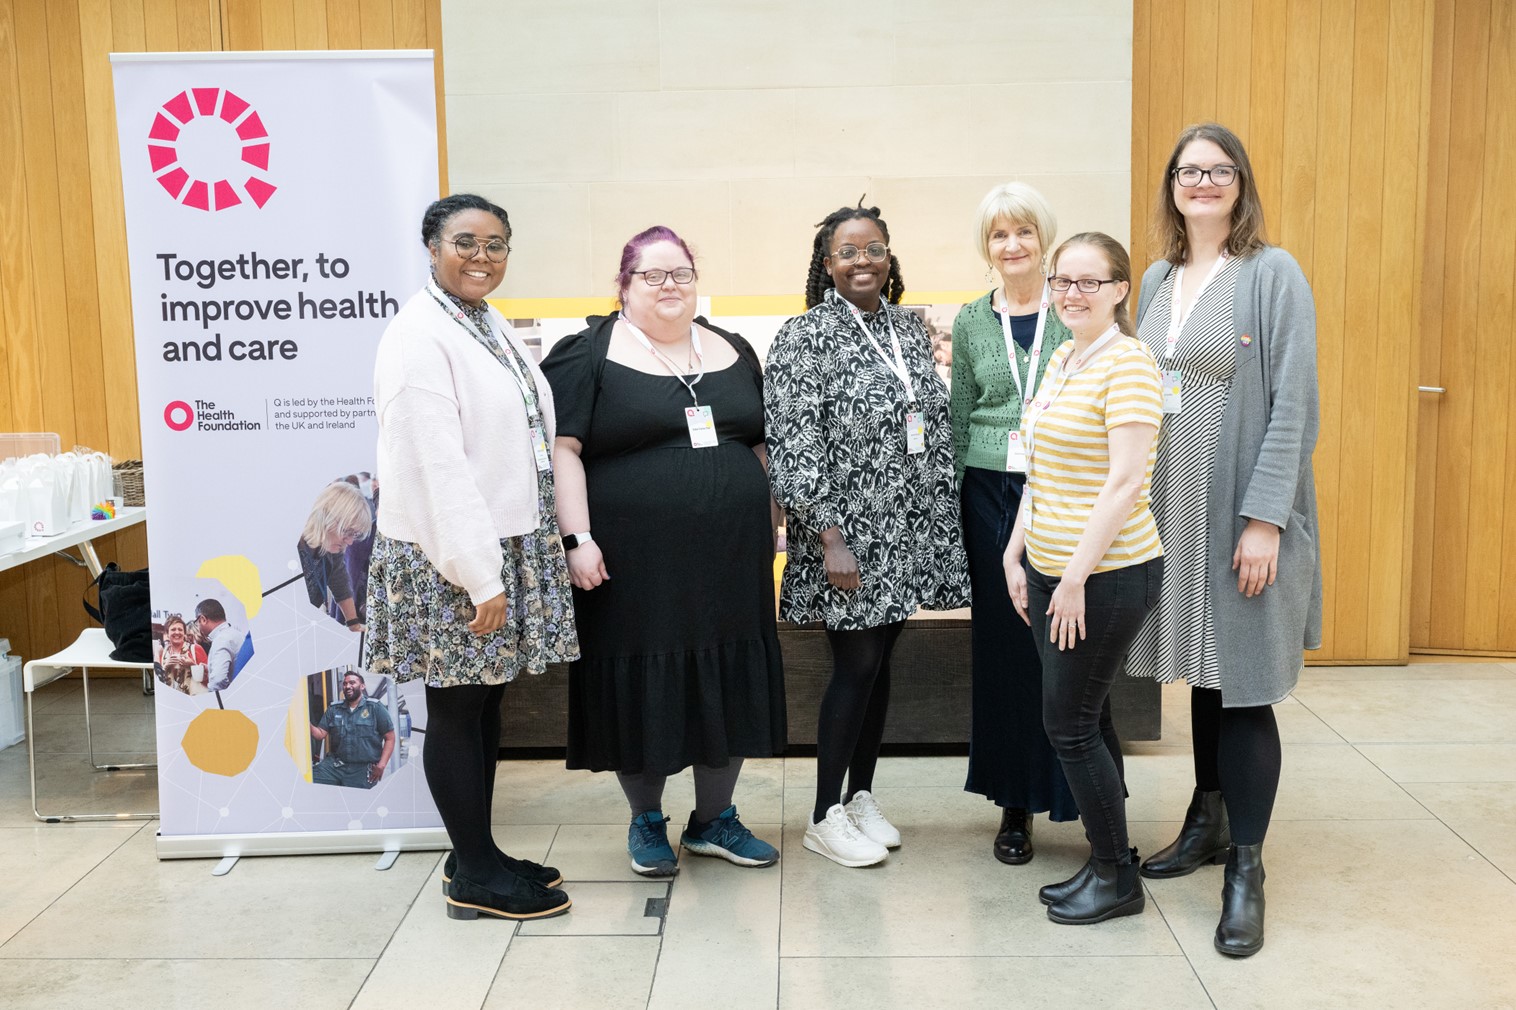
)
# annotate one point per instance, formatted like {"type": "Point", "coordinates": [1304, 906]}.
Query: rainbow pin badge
{"type": "Point", "coordinates": [1245, 340]}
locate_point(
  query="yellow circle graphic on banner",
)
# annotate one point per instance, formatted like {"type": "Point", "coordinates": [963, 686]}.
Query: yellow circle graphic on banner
{"type": "Point", "coordinates": [221, 742]}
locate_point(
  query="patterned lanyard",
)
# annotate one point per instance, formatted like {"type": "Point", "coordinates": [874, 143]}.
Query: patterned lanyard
{"type": "Point", "coordinates": [500, 347]}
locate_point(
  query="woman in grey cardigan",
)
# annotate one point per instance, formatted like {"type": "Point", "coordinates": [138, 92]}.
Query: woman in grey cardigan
{"type": "Point", "coordinates": [1232, 323]}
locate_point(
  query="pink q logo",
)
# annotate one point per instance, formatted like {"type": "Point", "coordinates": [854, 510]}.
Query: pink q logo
{"type": "Point", "coordinates": [178, 415]}
{"type": "Point", "coordinates": [197, 149]}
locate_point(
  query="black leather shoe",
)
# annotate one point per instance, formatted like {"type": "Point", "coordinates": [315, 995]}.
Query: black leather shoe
{"type": "Point", "coordinates": [522, 899]}
{"type": "Point", "coordinates": [1013, 844]}
{"type": "Point", "coordinates": [1111, 890]}
{"type": "Point", "coordinates": [1203, 839]}
{"type": "Point", "coordinates": [1051, 894]}
{"type": "Point", "coordinates": [547, 876]}
{"type": "Point", "coordinates": [1240, 932]}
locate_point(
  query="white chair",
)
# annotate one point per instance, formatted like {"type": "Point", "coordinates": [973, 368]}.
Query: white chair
{"type": "Point", "coordinates": [91, 650]}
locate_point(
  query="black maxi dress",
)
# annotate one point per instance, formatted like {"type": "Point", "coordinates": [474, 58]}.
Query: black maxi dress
{"type": "Point", "coordinates": [680, 661]}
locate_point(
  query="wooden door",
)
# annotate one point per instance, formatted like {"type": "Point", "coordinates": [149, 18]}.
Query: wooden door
{"type": "Point", "coordinates": [1463, 579]}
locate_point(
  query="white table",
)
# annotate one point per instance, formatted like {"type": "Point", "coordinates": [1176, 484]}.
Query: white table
{"type": "Point", "coordinates": [78, 535]}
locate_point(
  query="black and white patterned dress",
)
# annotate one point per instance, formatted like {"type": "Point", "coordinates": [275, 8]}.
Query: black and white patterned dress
{"type": "Point", "coordinates": [1179, 638]}
{"type": "Point", "coordinates": [835, 415]}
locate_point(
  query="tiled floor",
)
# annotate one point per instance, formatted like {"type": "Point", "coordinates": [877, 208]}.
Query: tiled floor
{"type": "Point", "coordinates": [1392, 883]}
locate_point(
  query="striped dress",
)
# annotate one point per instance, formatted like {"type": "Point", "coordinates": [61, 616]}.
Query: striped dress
{"type": "Point", "coordinates": [1179, 638]}
{"type": "Point", "coordinates": [1066, 427]}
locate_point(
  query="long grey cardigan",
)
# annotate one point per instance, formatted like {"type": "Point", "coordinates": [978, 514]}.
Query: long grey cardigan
{"type": "Point", "coordinates": [1263, 471]}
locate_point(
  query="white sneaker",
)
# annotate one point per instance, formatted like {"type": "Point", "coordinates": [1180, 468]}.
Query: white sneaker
{"type": "Point", "coordinates": [865, 812]}
{"type": "Point", "coordinates": [838, 839]}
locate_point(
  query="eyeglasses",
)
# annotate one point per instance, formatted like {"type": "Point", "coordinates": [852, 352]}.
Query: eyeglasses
{"type": "Point", "coordinates": [877, 252]}
{"type": "Point", "coordinates": [495, 250]}
{"type": "Point", "coordinates": [655, 278]}
{"type": "Point", "coordinates": [1088, 285]}
{"type": "Point", "coordinates": [1189, 176]}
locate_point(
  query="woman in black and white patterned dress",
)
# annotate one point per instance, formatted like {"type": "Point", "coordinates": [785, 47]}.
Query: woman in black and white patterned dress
{"type": "Point", "coordinates": [861, 459]}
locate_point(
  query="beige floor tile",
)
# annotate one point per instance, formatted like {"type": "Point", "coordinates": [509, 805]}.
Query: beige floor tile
{"type": "Point", "coordinates": [39, 863]}
{"type": "Point", "coordinates": [1129, 983]}
{"type": "Point", "coordinates": [1415, 671]}
{"type": "Point", "coordinates": [60, 728]}
{"type": "Point", "coordinates": [1297, 724]}
{"type": "Point", "coordinates": [942, 893]}
{"type": "Point", "coordinates": [1354, 921]}
{"type": "Point", "coordinates": [604, 909]}
{"type": "Point", "coordinates": [241, 984]}
{"type": "Point", "coordinates": [1416, 711]}
{"type": "Point", "coordinates": [607, 973]}
{"type": "Point", "coordinates": [1483, 814]}
{"type": "Point", "coordinates": [67, 784]}
{"type": "Point", "coordinates": [132, 905]}
{"type": "Point", "coordinates": [1444, 762]}
{"type": "Point", "coordinates": [596, 852]}
{"type": "Point", "coordinates": [721, 914]}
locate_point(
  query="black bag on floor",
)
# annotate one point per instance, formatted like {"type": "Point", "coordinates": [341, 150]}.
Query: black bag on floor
{"type": "Point", "coordinates": [125, 612]}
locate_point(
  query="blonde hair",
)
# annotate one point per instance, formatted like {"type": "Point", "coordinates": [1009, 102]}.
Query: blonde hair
{"type": "Point", "coordinates": [1246, 234]}
{"type": "Point", "coordinates": [1121, 270]}
{"type": "Point", "coordinates": [339, 506]}
{"type": "Point", "coordinates": [1019, 203]}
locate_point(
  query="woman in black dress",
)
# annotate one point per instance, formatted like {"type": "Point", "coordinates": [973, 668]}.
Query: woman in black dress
{"type": "Point", "coordinates": [660, 442]}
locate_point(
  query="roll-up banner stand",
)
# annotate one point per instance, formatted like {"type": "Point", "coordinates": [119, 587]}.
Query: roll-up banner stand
{"type": "Point", "coordinates": [273, 208]}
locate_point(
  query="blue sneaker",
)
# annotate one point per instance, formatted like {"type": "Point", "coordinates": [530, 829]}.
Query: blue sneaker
{"type": "Point", "coordinates": [647, 842]}
{"type": "Point", "coordinates": [728, 838]}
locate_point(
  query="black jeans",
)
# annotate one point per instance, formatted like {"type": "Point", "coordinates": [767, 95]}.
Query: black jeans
{"type": "Point", "coordinates": [1076, 688]}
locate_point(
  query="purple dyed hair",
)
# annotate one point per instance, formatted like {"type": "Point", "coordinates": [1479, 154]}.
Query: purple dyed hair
{"type": "Point", "coordinates": [633, 252]}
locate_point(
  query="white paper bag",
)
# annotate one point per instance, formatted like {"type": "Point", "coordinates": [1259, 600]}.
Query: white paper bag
{"type": "Point", "coordinates": [12, 501]}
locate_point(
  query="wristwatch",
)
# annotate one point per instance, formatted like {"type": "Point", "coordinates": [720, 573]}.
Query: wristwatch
{"type": "Point", "coordinates": [572, 540]}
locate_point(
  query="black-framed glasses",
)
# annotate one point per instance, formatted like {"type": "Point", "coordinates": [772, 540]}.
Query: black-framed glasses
{"type": "Point", "coordinates": [1088, 285]}
{"type": "Point", "coordinates": [495, 250]}
{"type": "Point", "coordinates": [1189, 176]}
{"type": "Point", "coordinates": [876, 252]}
{"type": "Point", "coordinates": [655, 278]}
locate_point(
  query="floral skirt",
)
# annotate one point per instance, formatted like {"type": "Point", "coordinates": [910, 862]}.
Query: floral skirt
{"type": "Point", "coordinates": [418, 621]}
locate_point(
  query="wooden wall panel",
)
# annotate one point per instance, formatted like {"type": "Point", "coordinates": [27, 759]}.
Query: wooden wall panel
{"type": "Point", "coordinates": [1335, 128]}
{"type": "Point", "coordinates": [67, 362]}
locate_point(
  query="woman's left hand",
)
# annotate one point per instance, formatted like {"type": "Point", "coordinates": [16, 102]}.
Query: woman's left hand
{"type": "Point", "coordinates": [1066, 615]}
{"type": "Point", "coordinates": [1256, 559]}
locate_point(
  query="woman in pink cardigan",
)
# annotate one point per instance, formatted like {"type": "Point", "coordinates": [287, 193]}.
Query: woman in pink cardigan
{"type": "Point", "coordinates": [468, 583]}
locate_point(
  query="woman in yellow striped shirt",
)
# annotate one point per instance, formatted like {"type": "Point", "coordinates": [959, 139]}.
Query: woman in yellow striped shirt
{"type": "Point", "coordinates": [1093, 563]}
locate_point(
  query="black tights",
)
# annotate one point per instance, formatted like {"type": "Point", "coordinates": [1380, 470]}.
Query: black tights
{"type": "Point", "coordinates": [461, 755]}
{"type": "Point", "coordinates": [850, 729]}
{"type": "Point", "coordinates": [1237, 752]}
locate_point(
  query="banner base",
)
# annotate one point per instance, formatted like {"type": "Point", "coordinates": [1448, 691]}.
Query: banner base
{"type": "Point", "coordinates": [301, 843]}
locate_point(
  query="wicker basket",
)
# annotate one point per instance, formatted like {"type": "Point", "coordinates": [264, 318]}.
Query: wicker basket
{"type": "Point", "coordinates": [128, 477]}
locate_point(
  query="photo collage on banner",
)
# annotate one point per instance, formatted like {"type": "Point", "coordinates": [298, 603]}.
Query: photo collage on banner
{"type": "Point", "coordinates": [273, 204]}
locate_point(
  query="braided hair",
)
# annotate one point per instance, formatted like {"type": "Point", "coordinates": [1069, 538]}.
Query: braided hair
{"type": "Point", "coordinates": [818, 280]}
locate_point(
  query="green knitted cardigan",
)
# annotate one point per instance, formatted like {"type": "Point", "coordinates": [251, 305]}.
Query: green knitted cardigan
{"type": "Point", "coordinates": [984, 404]}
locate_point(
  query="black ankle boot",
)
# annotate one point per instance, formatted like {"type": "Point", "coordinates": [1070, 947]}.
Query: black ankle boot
{"type": "Point", "coordinates": [1203, 839]}
{"type": "Point", "coordinates": [1240, 932]}
{"type": "Point", "coordinates": [1051, 894]}
{"type": "Point", "coordinates": [1112, 889]}
{"type": "Point", "coordinates": [1013, 844]}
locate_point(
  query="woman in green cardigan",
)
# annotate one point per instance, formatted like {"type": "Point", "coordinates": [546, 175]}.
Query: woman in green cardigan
{"type": "Point", "coordinates": [1001, 347]}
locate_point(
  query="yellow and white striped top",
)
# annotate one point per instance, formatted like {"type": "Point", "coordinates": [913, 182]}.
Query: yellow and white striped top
{"type": "Point", "coordinates": [1071, 454]}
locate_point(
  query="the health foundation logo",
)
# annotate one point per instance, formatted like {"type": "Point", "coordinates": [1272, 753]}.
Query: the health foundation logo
{"type": "Point", "coordinates": [163, 149]}
{"type": "Point", "coordinates": [178, 415]}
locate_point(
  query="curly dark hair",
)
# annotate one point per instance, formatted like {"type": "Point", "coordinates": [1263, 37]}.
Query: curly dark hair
{"type": "Point", "coordinates": [818, 280]}
{"type": "Point", "coordinates": [442, 211]}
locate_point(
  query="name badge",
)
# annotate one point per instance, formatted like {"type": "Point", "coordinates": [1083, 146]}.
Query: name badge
{"type": "Point", "coordinates": [702, 427]}
{"type": "Point", "coordinates": [539, 449]}
{"type": "Point", "coordinates": [1173, 386]}
{"type": "Point", "coordinates": [1015, 455]}
{"type": "Point", "coordinates": [915, 432]}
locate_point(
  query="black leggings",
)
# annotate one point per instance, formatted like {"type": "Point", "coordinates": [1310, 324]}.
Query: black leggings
{"type": "Point", "coordinates": [850, 729]}
{"type": "Point", "coordinates": [461, 755]}
{"type": "Point", "coordinates": [1237, 751]}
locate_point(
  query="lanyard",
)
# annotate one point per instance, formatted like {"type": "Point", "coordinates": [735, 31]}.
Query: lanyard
{"type": "Point", "coordinates": [897, 365]}
{"type": "Point", "coordinates": [1176, 318]}
{"type": "Point", "coordinates": [1071, 367]}
{"type": "Point", "coordinates": [642, 338]}
{"type": "Point", "coordinates": [507, 357]}
{"type": "Point", "coordinates": [1034, 356]}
